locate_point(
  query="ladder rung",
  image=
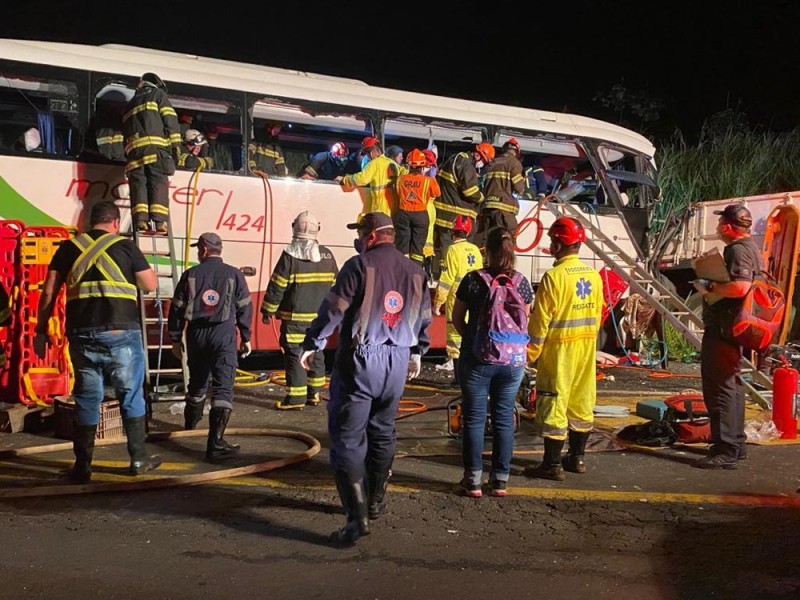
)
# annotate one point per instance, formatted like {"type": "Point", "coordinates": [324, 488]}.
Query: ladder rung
{"type": "Point", "coordinates": [165, 275]}
{"type": "Point", "coordinates": [156, 252]}
{"type": "Point", "coordinates": [165, 371]}
{"type": "Point", "coordinates": [154, 320]}
{"type": "Point", "coordinates": [158, 347]}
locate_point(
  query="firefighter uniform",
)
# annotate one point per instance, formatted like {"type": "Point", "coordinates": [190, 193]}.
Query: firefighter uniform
{"type": "Point", "coordinates": [415, 193]}
{"type": "Point", "coordinates": [462, 257]}
{"type": "Point", "coordinates": [152, 137]}
{"type": "Point", "coordinates": [381, 304]}
{"type": "Point", "coordinates": [5, 320]}
{"type": "Point", "coordinates": [461, 195]}
{"type": "Point", "coordinates": [380, 177]}
{"type": "Point", "coordinates": [294, 294]}
{"type": "Point", "coordinates": [504, 178]}
{"type": "Point", "coordinates": [266, 158]}
{"type": "Point", "coordinates": [535, 182]}
{"type": "Point", "coordinates": [110, 143]}
{"type": "Point", "coordinates": [563, 329]}
{"type": "Point", "coordinates": [188, 160]}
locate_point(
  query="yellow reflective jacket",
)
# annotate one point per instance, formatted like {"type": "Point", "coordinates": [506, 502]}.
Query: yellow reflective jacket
{"type": "Point", "coordinates": [567, 307]}
{"type": "Point", "coordinates": [380, 175]}
{"type": "Point", "coordinates": [461, 258]}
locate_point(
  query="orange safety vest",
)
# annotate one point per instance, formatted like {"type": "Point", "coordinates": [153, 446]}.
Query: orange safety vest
{"type": "Point", "coordinates": [415, 191]}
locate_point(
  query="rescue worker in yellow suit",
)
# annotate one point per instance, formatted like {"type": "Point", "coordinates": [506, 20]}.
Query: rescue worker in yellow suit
{"type": "Point", "coordinates": [563, 331]}
{"type": "Point", "coordinates": [5, 320]}
{"type": "Point", "coordinates": [379, 175]}
{"type": "Point", "coordinates": [461, 258]}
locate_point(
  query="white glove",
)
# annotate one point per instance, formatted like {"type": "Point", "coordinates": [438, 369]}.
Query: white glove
{"type": "Point", "coordinates": [245, 349]}
{"type": "Point", "coordinates": [414, 367]}
{"type": "Point", "coordinates": [305, 359]}
{"type": "Point", "coordinates": [437, 310]}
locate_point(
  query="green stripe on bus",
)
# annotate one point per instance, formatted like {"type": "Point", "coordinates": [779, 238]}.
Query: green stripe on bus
{"type": "Point", "coordinates": [15, 206]}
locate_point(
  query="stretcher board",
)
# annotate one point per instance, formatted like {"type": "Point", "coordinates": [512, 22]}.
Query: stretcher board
{"type": "Point", "coordinates": [779, 254]}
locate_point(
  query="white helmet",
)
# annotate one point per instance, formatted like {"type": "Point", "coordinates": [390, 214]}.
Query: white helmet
{"type": "Point", "coordinates": [305, 226]}
{"type": "Point", "coordinates": [193, 136]}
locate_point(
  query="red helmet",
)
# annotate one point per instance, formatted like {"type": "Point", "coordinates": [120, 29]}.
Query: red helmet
{"type": "Point", "coordinates": [513, 144]}
{"type": "Point", "coordinates": [486, 152]}
{"type": "Point", "coordinates": [567, 231]}
{"type": "Point", "coordinates": [416, 158]}
{"type": "Point", "coordinates": [431, 157]}
{"type": "Point", "coordinates": [463, 223]}
{"type": "Point", "coordinates": [368, 142]}
{"type": "Point", "coordinates": [338, 149]}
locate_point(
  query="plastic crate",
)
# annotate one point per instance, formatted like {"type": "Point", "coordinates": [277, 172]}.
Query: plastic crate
{"type": "Point", "coordinates": [110, 425]}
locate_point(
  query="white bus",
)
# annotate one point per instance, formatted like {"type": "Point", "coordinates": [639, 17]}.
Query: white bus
{"type": "Point", "coordinates": [62, 89]}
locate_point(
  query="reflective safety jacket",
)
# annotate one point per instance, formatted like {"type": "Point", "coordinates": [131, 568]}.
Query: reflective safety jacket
{"type": "Point", "coordinates": [187, 160]}
{"type": "Point", "coordinates": [415, 191]}
{"type": "Point", "coordinates": [267, 159]}
{"type": "Point", "coordinates": [5, 320]}
{"type": "Point", "coordinates": [150, 127]}
{"type": "Point", "coordinates": [112, 282]}
{"type": "Point", "coordinates": [461, 192]}
{"type": "Point", "coordinates": [325, 167]}
{"type": "Point", "coordinates": [296, 290]}
{"type": "Point", "coordinates": [110, 143]}
{"type": "Point", "coordinates": [220, 155]}
{"type": "Point", "coordinates": [461, 258]}
{"type": "Point", "coordinates": [380, 298]}
{"type": "Point", "coordinates": [535, 182]}
{"type": "Point", "coordinates": [380, 176]}
{"type": "Point", "coordinates": [211, 294]}
{"type": "Point", "coordinates": [504, 178]}
{"type": "Point", "coordinates": [568, 304]}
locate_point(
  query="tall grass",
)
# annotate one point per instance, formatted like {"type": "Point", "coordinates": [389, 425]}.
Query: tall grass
{"type": "Point", "coordinates": [731, 164]}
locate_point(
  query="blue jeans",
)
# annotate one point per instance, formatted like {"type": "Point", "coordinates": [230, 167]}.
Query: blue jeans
{"type": "Point", "coordinates": [493, 386]}
{"type": "Point", "coordinates": [115, 357]}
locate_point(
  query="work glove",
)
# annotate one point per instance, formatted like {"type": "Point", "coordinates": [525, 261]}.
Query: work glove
{"type": "Point", "coordinates": [177, 350]}
{"type": "Point", "coordinates": [437, 310]}
{"type": "Point", "coordinates": [414, 367]}
{"type": "Point", "coordinates": [41, 342]}
{"type": "Point", "coordinates": [305, 359]}
{"type": "Point", "coordinates": [702, 285]}
{"type": "Point", "coordinates": [245, 349]}
{"type": "Point", "coordinates": [266, 319]}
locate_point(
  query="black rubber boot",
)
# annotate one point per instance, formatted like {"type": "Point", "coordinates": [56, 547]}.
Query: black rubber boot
{"type": "Point", "coordinates": [83, 446]}
{"type": "Point", "coordinates": [377, 484]}
{"type": "Point", "coordinates": [217, 446]}
{"type": "Point", "coordinates": [573, 461]}
{"type": "Point", "coordinates": [354, 499]}
{"type": "Point", "coordinates": [192, 414]}
{"type": "Point", "coordinates": [550, 467]}
{"type": "Point", "coordinates": [456, 383]}
{"type": "Point", "coordinates": [136, 431]}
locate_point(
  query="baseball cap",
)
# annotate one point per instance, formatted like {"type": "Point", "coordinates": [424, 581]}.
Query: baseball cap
{"type": "Point", "coordinates": [736, 214]}
{"type": "Point", "coordinates": [209, 240]}
{"type": "Point", "coordinates": [372, 222]}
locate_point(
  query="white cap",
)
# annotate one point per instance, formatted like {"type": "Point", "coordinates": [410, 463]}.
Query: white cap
{"type": "Point", "coordinates": [305, 226]}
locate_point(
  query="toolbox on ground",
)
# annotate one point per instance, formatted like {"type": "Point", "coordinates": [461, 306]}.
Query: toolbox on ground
{"type": "Point", "coordinates": [653, 410]}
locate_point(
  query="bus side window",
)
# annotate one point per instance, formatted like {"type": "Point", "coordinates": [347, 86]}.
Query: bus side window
{"type": "Point", "coordinates": [38, 115]}
{"type": "Point", "coordinates": [104, 139]}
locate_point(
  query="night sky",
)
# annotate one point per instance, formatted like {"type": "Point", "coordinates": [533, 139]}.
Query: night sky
{"type": "Point", "coordinates": [697, 57]}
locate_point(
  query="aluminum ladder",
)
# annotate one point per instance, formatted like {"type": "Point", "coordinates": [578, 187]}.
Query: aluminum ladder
{"type": "Point", "coordinates": [667, 304]}
{"type": "Point", "coordinates": [159, 250]}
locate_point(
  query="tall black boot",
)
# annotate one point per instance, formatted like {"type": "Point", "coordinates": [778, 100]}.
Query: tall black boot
{"type": "Point", "coordinates": [354, 499]}
{"type": "Point", "coordinates": [83, 446]}
{"type": "Point", "coordinates": [192, 414]}
{"type": "Point", "coordinates": [377, 482]}
{"type": "Point", "coordinates": [550, 467]}
{"type": "Point", "coordinates": [136, 431]}
{"type": "Point", "coordinates": [573, 461]}
{"type": "Point", "coordinates": [217, 446]}
{"type": "Point", "coordinates": [456, 381]}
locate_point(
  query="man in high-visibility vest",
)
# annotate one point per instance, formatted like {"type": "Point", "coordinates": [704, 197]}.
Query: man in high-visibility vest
{"type": "Point", "coordinates": [563, 331]}
{"type": "Point", "coordinates": [379, 175]}
{"type": "Point", "coordinates": [462, 257]}
{"type": "Point", "coordinates": [416, 193]}
{"type": "Point", "coordinates": [102, 271]}
{"type": "Point", "coordinates": [302, 277]}
{"type": "Point", "coordinates": [5, 319]}
{"type": "Point", "coordinates": [152, 139]}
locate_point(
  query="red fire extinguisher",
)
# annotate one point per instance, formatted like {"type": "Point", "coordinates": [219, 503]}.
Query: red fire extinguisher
{"type": "Point", "coordinates": [784, 400]}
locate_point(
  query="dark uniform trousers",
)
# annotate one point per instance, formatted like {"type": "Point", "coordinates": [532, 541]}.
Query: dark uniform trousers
{"type": "Point", "coordinates": [411, 229]}
{"type": "Point", "coordinates": [301, 384]}
{"type": "Point", "coordinates": [493, 218]}
{"type": "Point", "coordinates": [723, 392]}
{"type": "Point", "coordinates": [212, 356]}
{"type": "Point", "coordinates": [366, 386]}
{"type": "Point", "coordinates": [149, 190]}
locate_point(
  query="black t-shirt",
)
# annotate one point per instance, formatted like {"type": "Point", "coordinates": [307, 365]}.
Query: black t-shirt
{"type": "Point", "coordinates": [474, 292]}
{"type": "Point", "coordinates": [743, 261]}
{"type": "Point", "coordinates": [101, 314]}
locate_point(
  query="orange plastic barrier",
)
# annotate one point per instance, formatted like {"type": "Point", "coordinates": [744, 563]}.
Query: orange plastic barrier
{"type": "Point", "coordinates": [9, 241]}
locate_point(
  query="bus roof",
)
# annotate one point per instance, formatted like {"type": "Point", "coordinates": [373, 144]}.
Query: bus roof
{"type": "Point", "coordinates": [270, 81]}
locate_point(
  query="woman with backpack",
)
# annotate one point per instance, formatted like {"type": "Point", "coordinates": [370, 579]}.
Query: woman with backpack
{"type": "Point", "coordinates": [493, 357]}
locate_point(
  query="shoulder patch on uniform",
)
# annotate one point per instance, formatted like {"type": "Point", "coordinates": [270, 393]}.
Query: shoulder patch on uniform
{"type": "Point", "coordinates": [210, 297]}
